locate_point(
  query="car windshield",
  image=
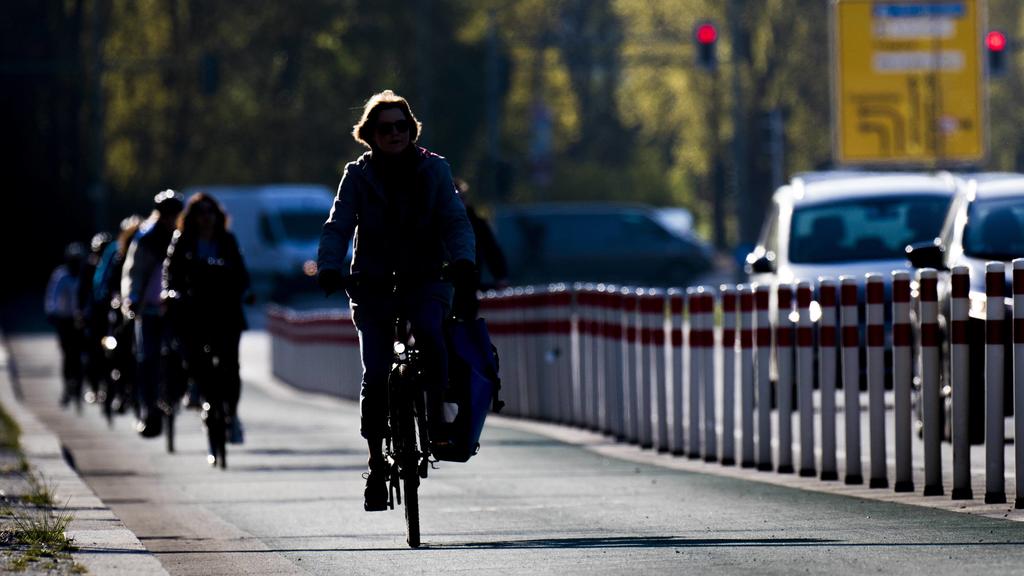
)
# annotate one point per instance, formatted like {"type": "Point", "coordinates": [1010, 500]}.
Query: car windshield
{"type": "Point", "coordinates": [995, 229]}
{"type": "Point", "coordinates": [876, 228]}
{"type": "Point", "coordinates": [303, 225]}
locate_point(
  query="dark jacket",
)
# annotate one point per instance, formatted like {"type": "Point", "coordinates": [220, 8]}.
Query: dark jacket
{"type": "Point", "coordinates": [413, 236]}
{"type": "Point", "coordinates": [206, 293]}
{"type": "Point", "coordinates": [488, 251]}
{"type": "Point", "coordinates": [140, 277]}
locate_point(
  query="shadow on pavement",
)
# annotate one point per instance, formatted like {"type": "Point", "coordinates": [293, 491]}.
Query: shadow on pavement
{"type": "Point", "coordinates": [632, 542]}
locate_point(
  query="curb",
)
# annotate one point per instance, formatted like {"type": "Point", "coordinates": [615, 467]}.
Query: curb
{"type": "Point", "coordinates": [104, 545]}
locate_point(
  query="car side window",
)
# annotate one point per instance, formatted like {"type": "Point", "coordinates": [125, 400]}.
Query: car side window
{"type": "Point", "coordinates": [770, 233]}
{"type": "Point", "coordinates": [949, 225]}
{"type": "Point", "coordinates": [266, 230]}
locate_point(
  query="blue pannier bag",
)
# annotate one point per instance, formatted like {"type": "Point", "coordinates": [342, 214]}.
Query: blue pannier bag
{"type": "Point", "coordinates": [473, 386]}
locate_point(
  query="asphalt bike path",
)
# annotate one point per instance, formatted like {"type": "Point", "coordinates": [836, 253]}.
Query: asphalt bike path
{"type": "Point", "coordinates": [290, 501]}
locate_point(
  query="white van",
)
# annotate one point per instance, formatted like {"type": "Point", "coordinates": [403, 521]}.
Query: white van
{"type": "Point", "coordinates": [278, 229]}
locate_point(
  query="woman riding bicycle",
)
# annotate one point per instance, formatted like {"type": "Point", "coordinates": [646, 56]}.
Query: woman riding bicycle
{"type": "Point", "coordinates": [205, 283]}
{"type": "Point", "coordinates": [400, 203]}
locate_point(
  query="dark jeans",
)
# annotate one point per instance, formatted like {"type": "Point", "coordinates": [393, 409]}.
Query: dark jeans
{"type": "Point", "coordinates": [213, 364]}
{"type": "Point", "coordinates": [376, 346]}
{"type": "Point", "coordinates": [71, 344]}
{"type": "Point", "coordinates": [150, 337]}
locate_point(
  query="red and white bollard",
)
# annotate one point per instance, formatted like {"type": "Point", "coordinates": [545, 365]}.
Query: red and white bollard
{"type": "Point", "coordinates": [614, 369]}
{"type": "Point", "coordinates": [652, 362]}
{"type": "Point", "coordinates": [805, 377]}
{"type": "Point", "coordinates": [523, 374]}
{"type": "Point", "coordinates": [1018, 378]}
{"type": "Point", "coordinates": [659, 335]}
{"type": "Point", "coordinates": [728, 375]}
{"type": "Point", "coordinates": [763, 341]}
{"type": "Point", "coordinates": [995, 317]}
{"type": "Point", "coordinates": [676, 306]}
{"type": "Point", "coordinates": [596, 360]}
{"type": "Point", "coordinates": [875, 311]}
{"type": "Point", "coordinates": [746, 360]}
{"type": "Point", "coordinates": [850, 336]}
{"type": "Point", "coordinates": [583, 345]}
{"type": "Point", "coordinates": [959, 372]}
{"type": "Point", "coordinates": [531, 356]}
{"type": "Point", "coordinates": [630, 321]}
{"type": "Point", "coordinates": [559, 356]}
{"type": "Point", "coordinates": [902, 356]}
{"type": "Point", "coordinates": [707, 363]}
{"type": "Point", "coordinates": [928, 286]}
{"type": "Point", "coordinates": [695, 341]}
{"type": "Point", "coordinates": [827, 369]}
{"type": "Point", "coordinates": [784, 387]}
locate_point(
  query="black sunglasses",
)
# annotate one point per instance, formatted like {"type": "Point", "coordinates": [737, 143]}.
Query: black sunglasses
{"type": "Point", "coordinates": [385, 128]}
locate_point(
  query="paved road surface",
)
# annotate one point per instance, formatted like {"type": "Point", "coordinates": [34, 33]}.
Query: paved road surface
{"type": "Point", "coordinates": [290, 503]}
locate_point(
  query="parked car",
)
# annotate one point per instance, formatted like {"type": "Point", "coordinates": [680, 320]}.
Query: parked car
{"type": "Point", "coordinates": [278, 230]}
{"type": "Point", "coordinates": [848, 223]}
{"type": "Point", "coordinates": [985, 223]}
{"type": "Point", "coordinates": [596, 242]}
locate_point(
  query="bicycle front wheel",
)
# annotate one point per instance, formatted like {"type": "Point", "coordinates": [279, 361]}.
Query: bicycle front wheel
{"type": "Point", "coordinates": [412, 507]}
{"type": "Point", "coordinates": [404, 429]}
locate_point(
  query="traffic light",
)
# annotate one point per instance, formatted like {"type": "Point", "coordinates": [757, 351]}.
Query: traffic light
{"type": "Point", "coordinates": [995, 46]}
{"type": "Point", "coordinates": [705, 34]}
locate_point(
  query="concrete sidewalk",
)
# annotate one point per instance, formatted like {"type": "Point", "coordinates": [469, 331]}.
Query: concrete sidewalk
{"type": "Point", "coordinates": [104, 545]}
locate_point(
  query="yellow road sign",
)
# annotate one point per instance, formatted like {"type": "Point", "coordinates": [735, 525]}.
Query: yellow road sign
{"type": "Point", "coordinates": [908, 83]}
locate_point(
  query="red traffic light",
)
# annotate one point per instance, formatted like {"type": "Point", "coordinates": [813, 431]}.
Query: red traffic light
{"type": "Point", "coordinates": [706, 34]}
{"type": "Point", "coordinates": [995, 41]}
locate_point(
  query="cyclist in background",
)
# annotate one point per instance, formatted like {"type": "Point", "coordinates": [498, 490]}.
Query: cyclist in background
{"type": "Point", "coordinates": [64, 312]}
{"type": "Point", "coordinates": [205, 283]}
{"type": "Point", "coordinates": [140, 293]}
{"type": "Point", "coordinates": [399, 201]}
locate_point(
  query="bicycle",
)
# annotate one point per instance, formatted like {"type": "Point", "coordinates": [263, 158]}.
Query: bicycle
{"type": "Point", "coordinates": [406, 441]}
{"type": "Point", "coordinates": [406, 437]}
{"type": "Point", "coordinates": [208, 372]}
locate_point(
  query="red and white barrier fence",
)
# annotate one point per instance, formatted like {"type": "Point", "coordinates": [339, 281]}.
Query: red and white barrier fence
{"type": "Point", "coordinates": [959, 356]}
{"type": "Point", "coordinates": [763, 383]}
{"type": "Point", "coordinates": [850, 332]}
{"type": "Point", "coordinates": [643, 366]}
{"type": "Point", "coordinates": [784, 386]}
{"type": "Point", "coordinates": [930, 391]}
{"type": "Point", "coordinates": [1018, 379]}
{"type": "Point", "coordinates": [902, 375]}
{"type": "Point", "coordinates": [805, 377]}
{"type": "Point", "coordinates": [827, 342]}
{"type": "Point", "coordinates": [875, 312]}
{"type": "Point", "coordinates": [728, 363]}
{"type": "Point", "coordinates": [746, 362]}
{"type": "Point", "coordinates": [995, 316]}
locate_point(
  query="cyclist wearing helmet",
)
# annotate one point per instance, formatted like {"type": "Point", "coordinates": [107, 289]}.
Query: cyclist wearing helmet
{"type": "Point", "coordinates": [140, 290]}
{"type": "Point", "coordinates": [63, 311]}
{"type": "Point", "coordinates": [400, 204]}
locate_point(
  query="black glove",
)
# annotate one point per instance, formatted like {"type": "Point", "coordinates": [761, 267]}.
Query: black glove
{"type": "Point", "coordinates": [463, 276]}
{"type": "Point", "coordinates": [330, 281]}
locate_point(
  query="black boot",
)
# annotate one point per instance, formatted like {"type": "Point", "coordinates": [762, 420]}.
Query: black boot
{"type": "Point", "coordinates": [375, 495]}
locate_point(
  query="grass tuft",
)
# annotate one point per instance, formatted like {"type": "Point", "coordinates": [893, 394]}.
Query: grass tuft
{"type": "Point", "coordinates": [9, 431]}
{"type": "Point", "coordinates": [43, 530]}
{"type": "Point", "coordinates": [41, 491]}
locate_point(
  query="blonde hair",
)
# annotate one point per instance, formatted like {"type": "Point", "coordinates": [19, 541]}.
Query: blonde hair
{"type": "Point", "coordinates": [363, 130]}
